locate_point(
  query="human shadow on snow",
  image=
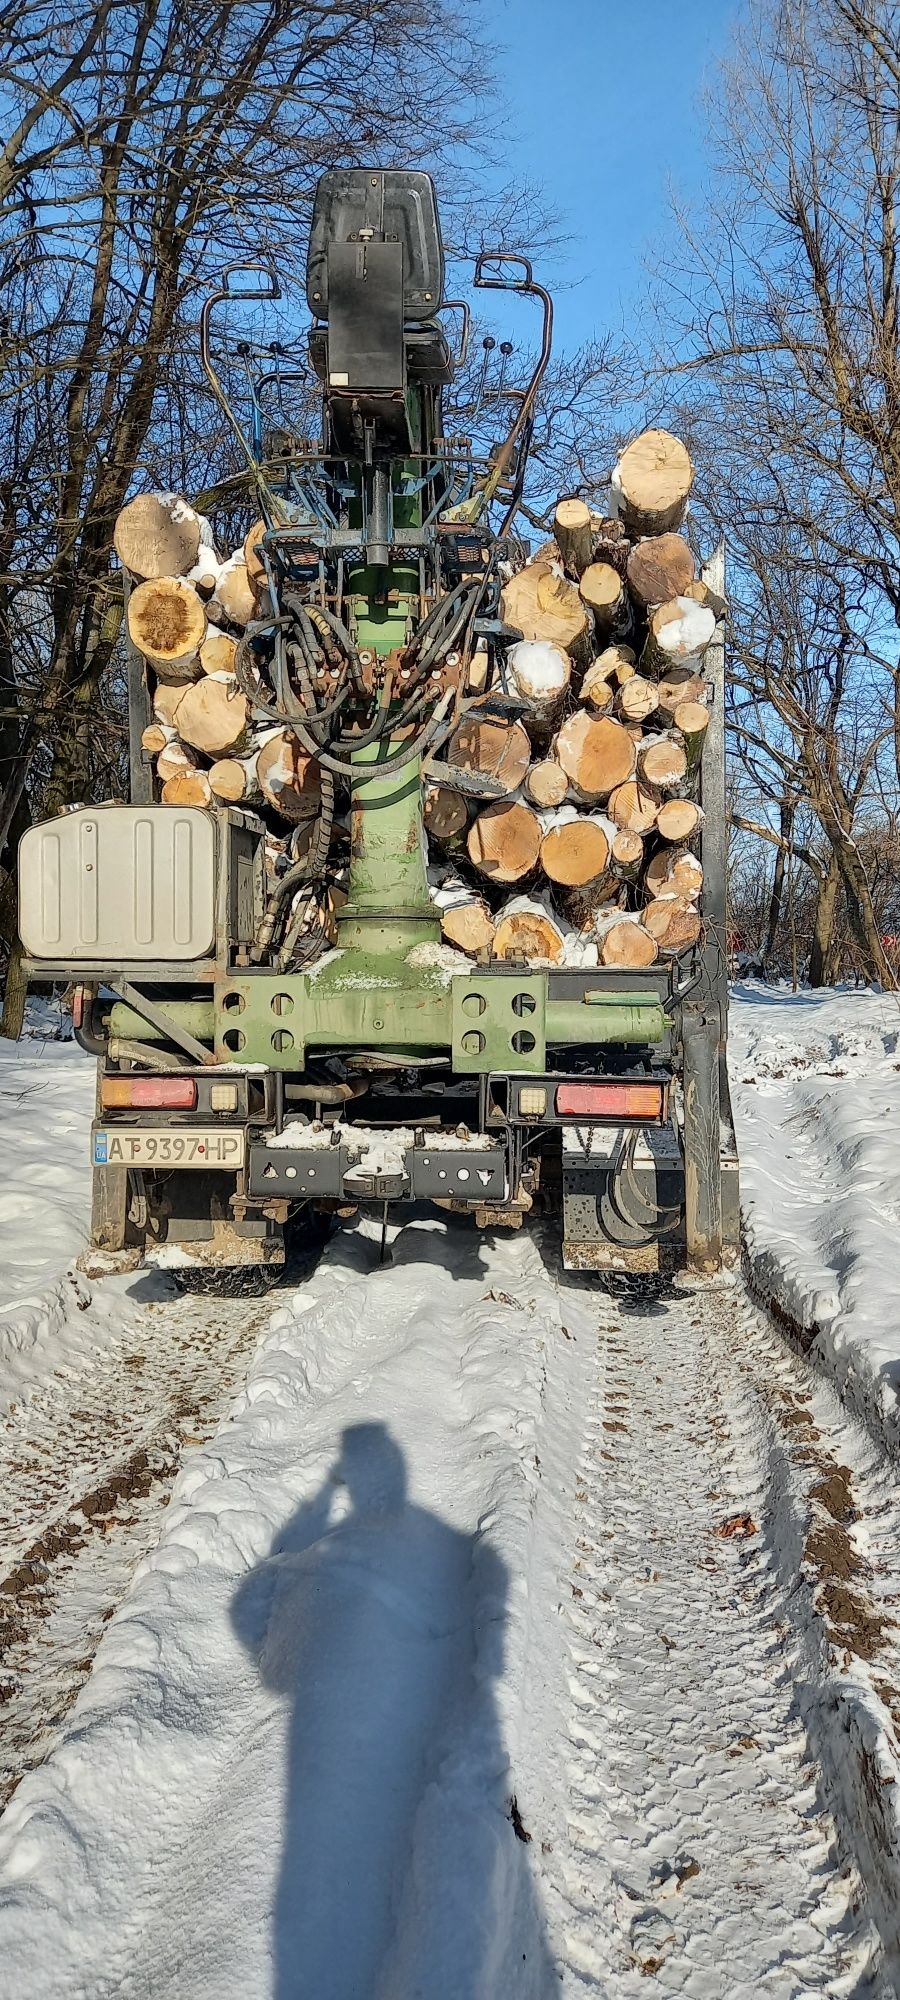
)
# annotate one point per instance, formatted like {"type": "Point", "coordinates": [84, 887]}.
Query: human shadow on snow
{"type": "Point", "coordinates": [383, 1628]}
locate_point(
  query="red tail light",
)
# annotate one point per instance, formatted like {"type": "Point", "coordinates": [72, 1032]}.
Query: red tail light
{"type": "Point", "coordinates": [148, 1093]}
{"type": "Point", "coordinates": [646, 1101]}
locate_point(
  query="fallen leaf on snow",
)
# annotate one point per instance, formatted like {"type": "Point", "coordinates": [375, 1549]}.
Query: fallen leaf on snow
{"type": "Point", "coordinates": [738, 1527]}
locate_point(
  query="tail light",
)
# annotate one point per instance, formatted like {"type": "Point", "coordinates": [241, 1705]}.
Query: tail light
{"type": "Point", "coordinates": [148, 1093]}
{"type": "Point", "coordinates": [646, 1101]}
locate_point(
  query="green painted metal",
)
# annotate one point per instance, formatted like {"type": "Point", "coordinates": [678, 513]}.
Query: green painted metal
{"type": "Point", "coordinates": [608, 1021]}
{"type": "Point", "coordinates": [387, 848]}
{"type": "Point", "coordinates": [197, 1016]}
{"type": "Point", "coordinates": [383, 1001]}
{"type": "Point", "coordinates": [498, 1023]}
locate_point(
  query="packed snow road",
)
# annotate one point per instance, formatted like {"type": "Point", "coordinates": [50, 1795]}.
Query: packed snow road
{"type": "Point", "coordinates": [508, 1637]}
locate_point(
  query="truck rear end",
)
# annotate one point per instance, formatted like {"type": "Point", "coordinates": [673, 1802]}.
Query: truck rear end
{"type": "Point", "coordinates": [251, 1068]}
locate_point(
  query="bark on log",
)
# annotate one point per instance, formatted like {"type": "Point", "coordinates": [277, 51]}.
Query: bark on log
{"type": "Point", "coordinates": [692, 719]}
{"type": "Point", "coordinates": [167, 623]}
{"type": "Point", "coordinates": [702, 594]}
{"type": "Point", "coordinates": [234, 592]}
{"type": "Point", "coordinates": [597, 756]}
{"type": "Point", "coordinates": [678, 819]}
{"type": "Point", "coordinates": [611, 544]}
{"type": "Point", "coordinates": [604, 592]}
{"type": "Point", "coordinates": [575, 848]}
{"type": "Point", "coordinates": [633, 807]}
{"type": "Point", "coordinates": [662, 761]}
{"type": "Point", "coordinates": [288, 778]}
{"type": "Point", "coordinates": [217, 653]}
{"type": "Point", "coordinates": [652, 481]}
{"type": "Point", "coordinates": [679, 634]}
{"type": "Point", "coordinates": [541, 604]}
{"type": "Point", "coordinates": [444, 813]}
{"type": "Point", "coordinates": [490, 748]}
{"type": "Point", "coordinates": [572, 526]}
{"type": "Point", "coordinates": [213, 716]}
{"type": "Point", "coordinates": [660, 568]}
{"type": "Point", "coordinates": [253, 561]}
{"type": "Point", "coordinates": [526, 930]}
{"type": "Point", "coordinates": [540, 673]}
{"type": "Point", "coordinates": [504, 841]}
{"type": "Point", "coordinates": [187, 788]}
{"type": "Point", "coordinates": [546, 783]}
{"type": "Point", "coordinates": [234, 780]}
{"type": "Point", "coordinates": [157, 535]}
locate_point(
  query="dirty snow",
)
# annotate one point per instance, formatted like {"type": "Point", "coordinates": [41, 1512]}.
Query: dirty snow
{"type": "Point", "coordinates": [815, 1081]}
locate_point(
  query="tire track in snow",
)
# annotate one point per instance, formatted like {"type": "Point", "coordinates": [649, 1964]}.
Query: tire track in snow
{"type": "Point", "coordinates": [698, 1842]}
{"type": "Point", "coordinates": [87, 1463]}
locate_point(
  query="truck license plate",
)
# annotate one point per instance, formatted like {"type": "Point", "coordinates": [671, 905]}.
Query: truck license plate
{"type": "Point", "coordinates": [119, 1146]}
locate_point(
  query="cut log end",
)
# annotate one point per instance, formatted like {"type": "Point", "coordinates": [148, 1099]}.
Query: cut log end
{"type": "Point", "coordinates": [575, 853]}
{"type": "Point", "coordinates": [505, 841]}
{"type": "Point", "coordinates": [157, 535]}
{"type": "Point", "coordinates": [469, 927]}
{"type": "Point", "coordinates": [444, 813]}
{"type": "Point", "coordinates": [652, 482]}
{"type": "Point", "coordinates": [596, 755]}
{"type": "Point", "coordinates": [628, 944]}
{"type": "Point", "coordinates": [167, 623]}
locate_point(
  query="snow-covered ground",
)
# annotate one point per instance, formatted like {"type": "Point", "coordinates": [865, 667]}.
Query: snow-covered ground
{"type": "Point", "coordinates": [816, 1088]}
{"type": "Point", "coordinates": [499, 1640]}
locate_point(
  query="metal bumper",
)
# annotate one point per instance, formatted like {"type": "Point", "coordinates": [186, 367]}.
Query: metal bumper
{"type": "Point", "coordinates": [329, 1173]}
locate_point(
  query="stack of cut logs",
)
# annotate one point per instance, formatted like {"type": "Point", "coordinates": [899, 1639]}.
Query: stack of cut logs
{"type": "Point", "coordinates": [578, 850]}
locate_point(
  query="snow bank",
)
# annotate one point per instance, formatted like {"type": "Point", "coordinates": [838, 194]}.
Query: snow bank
{"type": "Point", "coordinates": [46, 1104]}
{"type": "Point", "coordinates": [815, 1081]}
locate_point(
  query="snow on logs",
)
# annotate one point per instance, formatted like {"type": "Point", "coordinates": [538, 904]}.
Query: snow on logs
{"type": "Point", "coordinates": [578, 741]}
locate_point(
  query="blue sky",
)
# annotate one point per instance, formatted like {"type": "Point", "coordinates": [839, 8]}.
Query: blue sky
{"type": "Point", "coordinates": [602, 101]}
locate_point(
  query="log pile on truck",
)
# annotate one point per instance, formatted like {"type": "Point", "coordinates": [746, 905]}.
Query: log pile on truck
{"type": "Point", "coordinates": [561, 814]}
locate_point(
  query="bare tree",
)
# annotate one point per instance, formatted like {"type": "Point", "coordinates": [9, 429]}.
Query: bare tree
{"type": "Point", "coordinates": [791, 349]}
{"type": "Point", "coordinates": [146, 144]}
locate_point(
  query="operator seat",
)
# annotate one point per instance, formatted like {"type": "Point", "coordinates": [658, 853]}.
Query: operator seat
{"type": "Point", "coordinates": [374, 284]}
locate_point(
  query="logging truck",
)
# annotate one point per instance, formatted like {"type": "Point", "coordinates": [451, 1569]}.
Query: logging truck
{"type": "Point", "coordinates": [419, 895]}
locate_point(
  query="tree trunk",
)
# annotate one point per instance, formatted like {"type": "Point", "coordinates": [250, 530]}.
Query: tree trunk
{"type": "Point", "coordinates": [788, 809]}
{"type": "Point", "coordinates": [623, 941]}
{"type": "Point", "coordinates": [821, 958]}
{"type": "Point", "coordinates": [546, 783]}
{"type": "Point", "coordinates": [288, 778]}
{"type": "Point", "coordinates": [679, 634]}
{"type": "Point", "coordinates": [539, 673]}
{"type": "Point", "coordinates": [604, 593]}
